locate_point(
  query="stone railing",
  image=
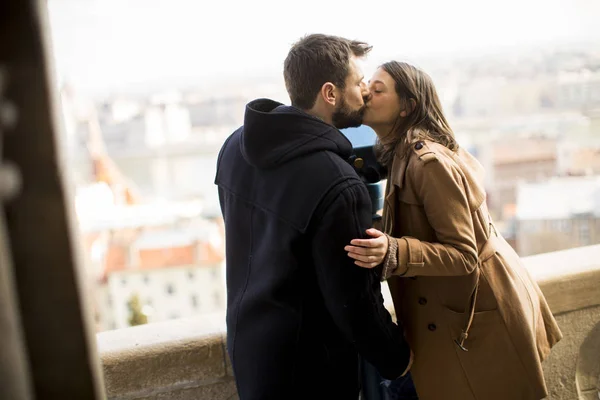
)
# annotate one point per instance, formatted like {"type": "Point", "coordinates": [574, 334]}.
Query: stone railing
{"type": "Point", "coordinates": [180, 359]}
{"type": "Point", "coordinates": [570, 280]}
{"type": "Point", "coordinates": [186, 359]}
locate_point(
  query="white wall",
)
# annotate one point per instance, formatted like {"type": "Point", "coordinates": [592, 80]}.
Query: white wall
{"type": "Point", "coordinates": [195, 290]}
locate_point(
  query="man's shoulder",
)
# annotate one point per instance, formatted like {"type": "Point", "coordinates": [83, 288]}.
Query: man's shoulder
{"type": "Point", "coordinates": [333, 174]}
{"type": "Point", "coordinates": [327, 164]}
{"type": "Point", "coordinates": [323, 172]}
{"type": "Point", "coordinates": [231, 144]}
{"type": "Point", "coordinates": [233, 137]}
{"type": "Point", "coordinates": [313, 183]}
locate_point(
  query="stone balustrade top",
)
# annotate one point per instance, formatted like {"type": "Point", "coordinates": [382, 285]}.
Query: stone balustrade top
{"type": "Point", "coordinates": [187, 359]}
{"type": "Point", "coordinates": [570, 279]}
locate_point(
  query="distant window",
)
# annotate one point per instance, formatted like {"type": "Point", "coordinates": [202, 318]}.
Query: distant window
{"type": "Point", "coordinates": [146, 279]}
{"type": "Point", "coordinates": [194, 299]}
{"type": "Point", "coordinates": [170, 289]}
{"type": "Point", "coordinates": [565, 225]}
{"type": "Point", "coordinates": [191, 274]}
{"type": "Point", "coordinates": [535, 226]}
{"type": "Point", "coordinates": [124, 282]}
{"type": "Point", "coordinates": [584, 233]}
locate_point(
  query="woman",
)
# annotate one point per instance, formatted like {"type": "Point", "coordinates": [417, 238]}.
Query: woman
{"type": "Point", "coordinates": [477, 323]}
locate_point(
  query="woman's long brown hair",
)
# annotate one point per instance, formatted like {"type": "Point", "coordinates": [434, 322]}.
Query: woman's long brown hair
{"type": "Point", "coordinates": [425, 122]}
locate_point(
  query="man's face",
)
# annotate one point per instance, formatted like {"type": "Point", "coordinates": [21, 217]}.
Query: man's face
{"type": "Point", "coordinates": [349, 110]}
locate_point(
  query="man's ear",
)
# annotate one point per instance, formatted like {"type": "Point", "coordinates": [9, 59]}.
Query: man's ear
{"type": "Point", "coordinates": [329, 93]}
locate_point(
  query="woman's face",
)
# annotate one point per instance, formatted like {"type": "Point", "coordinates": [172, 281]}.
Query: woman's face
{"type": "Point", "coordinates": [383, 107]}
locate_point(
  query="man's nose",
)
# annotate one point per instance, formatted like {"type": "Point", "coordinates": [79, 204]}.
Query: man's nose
{"type": "Point", "coordinates": [367, 96]}
{"type": "Point", "coordinates": [366, 93]}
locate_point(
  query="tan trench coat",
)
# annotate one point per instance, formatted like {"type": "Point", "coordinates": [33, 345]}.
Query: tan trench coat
{"type": "Point", "coordinates": [445, 247]}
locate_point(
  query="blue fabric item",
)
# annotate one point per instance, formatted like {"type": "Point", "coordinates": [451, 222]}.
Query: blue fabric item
{"type": "Point", "coordinates": [400, 389]}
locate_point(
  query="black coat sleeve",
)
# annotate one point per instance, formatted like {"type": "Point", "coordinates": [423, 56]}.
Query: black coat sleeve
{"type": "Point", "coordinates": [353, 294]}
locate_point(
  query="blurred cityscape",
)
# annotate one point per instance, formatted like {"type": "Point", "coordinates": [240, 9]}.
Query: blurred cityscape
{"type": "Point", "coordinates": [143, 163]}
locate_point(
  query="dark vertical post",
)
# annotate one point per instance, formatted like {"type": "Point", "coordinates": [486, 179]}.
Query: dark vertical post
{"type": "Point", "coordinates": [58, 334]}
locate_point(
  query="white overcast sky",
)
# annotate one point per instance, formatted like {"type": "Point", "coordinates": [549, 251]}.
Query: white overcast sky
{"type": "Point", "coordinates": [110, 43]}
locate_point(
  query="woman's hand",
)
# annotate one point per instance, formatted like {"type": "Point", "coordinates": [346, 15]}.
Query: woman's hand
{"type": "Point", "coordinates": [369, 253]}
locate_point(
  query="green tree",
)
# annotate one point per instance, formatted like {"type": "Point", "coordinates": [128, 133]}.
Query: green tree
{"type": "Point", "coordinates": [136, 316]}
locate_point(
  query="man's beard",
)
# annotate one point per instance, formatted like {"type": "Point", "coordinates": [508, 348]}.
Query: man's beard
{"type": "Point", "coordinates": [343, 117]}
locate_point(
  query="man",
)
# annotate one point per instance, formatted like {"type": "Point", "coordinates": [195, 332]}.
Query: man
{"type": "Point", "coordinates": [298, 310]}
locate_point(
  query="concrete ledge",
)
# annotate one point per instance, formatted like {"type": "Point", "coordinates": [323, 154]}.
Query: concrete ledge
{"type": "Point", "coordinates": [182, 359]}
{"type": "Point", "coordinates": [570, 279]}
{"type": "Point", "coordinates": [186, 359]}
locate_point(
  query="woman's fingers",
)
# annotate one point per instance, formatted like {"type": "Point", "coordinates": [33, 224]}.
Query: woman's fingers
{"type": "Point", "coordinates": [366, 242]}
{"type": "Point", "coordinates": [368, 253]}
{"type": "Point", "coordinates": [365, 265]}
{"type": "Point", "coordinates": [364, 251]}
{"type": "Point", "coordinates": [363, 258]}
{"type": "Point", "coordinates": [375, 233]}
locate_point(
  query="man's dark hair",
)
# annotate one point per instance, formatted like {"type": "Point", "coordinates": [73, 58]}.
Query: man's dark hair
{"type": "Point", "coordinates": [316, 59]}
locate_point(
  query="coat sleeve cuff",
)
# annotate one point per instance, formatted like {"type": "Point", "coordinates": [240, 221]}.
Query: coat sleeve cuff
{"type": "Point", "coordinates": [391, 262]}
{"type": "Point", "coordinates": [413, 256]}
{"type": "Point", "coordinates": [404, 257]}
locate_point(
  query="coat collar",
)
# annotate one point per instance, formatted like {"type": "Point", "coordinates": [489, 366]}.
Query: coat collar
{"type": "Point", "coordinates": [398, 170]}
{"type": "Point", "coordinates": [395, 180]}
{"type": "Point", "coordinates": [472, 171]}
{"type": "Point", "coordinates": [401, 159]}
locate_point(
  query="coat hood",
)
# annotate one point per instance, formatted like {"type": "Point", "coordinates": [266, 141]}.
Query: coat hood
{"type": "Point", "coordinates": [274, 134]}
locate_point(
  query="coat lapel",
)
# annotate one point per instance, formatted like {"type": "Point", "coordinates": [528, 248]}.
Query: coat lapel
{"type": "Point", "coordinates": [395, 182]}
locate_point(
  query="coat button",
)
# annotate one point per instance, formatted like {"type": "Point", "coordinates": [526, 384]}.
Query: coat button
{"type": "Point", "coordinates": [422, 301]}
{"type": "Point", "coordinates": [419, 145]}
{"type": "Point", "coordinates": [431, 327]}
